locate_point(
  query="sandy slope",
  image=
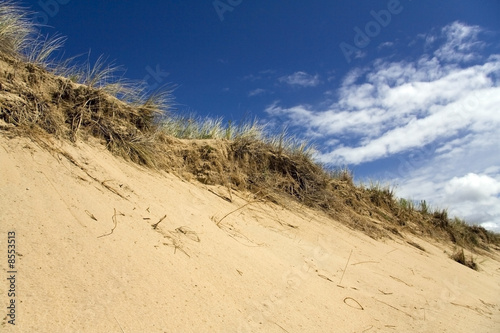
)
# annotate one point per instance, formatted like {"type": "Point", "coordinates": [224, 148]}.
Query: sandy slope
{"type": "Point", "coordinates": [262, 269]}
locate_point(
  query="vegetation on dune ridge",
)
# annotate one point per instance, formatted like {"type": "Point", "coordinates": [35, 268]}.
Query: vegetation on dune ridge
{"type": "Point", "coordinates": [40, 96]}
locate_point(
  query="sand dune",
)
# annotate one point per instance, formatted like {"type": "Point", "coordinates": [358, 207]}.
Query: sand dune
{"type": "Point", "coordinates": [92, 240]}
{"type": "Point", "coordinates": [90, 260]}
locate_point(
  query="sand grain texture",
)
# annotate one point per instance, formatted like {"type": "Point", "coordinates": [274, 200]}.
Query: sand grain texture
{"type": "Point", "coordinates": [90, 260]}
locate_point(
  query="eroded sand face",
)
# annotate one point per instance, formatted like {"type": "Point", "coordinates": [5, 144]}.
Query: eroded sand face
{"type": "Point", "coordinates": [89, 260]}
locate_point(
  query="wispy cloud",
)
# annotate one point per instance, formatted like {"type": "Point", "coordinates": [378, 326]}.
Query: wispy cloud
{"type": "Point", "coordinates": [461, 43]}
{"type": "Point", "coordinates": [256, 92]}
{"type": "Point", "coordinates": [396, 106]}
{"type": "Point", "coordinates": [447, 99]}
{"type": "Point", "coordinates": [385, 45]}
{"type": "Point", "coordinates": [261, 75]}
{"type": "Point", "coordinates": [302, 79]}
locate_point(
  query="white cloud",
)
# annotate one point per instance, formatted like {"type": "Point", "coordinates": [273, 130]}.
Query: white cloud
{"type": "Point", "coordinates": [397, 106]}
{"type": "Point", "coordinates": [461, 175]}
{"type": "Point", "coordinates": [256, 92]}
{"type": "Point", "coordinates": [445, 182]}
{"type": "Point", "coordinates": [301, 79]}
{"type": "Point", "coordinates": [385, 45]}
{"type": "Point", "coordinates": [471, 188]}
{"type": "Point", "coordinates": [461, 42]}
{"type": "Point", "coordinates": [412, 113]}
{"type": "Point", "coordinates": [447, 100]}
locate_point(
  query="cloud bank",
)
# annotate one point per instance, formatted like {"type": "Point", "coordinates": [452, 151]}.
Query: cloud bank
{"type": "Point", "coordinates": [446, 101]}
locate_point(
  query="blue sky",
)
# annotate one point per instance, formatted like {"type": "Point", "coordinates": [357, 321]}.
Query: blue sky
{"type": "Point", "coordinates": [405, 92]}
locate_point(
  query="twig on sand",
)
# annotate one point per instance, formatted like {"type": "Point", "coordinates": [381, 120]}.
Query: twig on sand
{"type": "Point", "coordinates": [114, 227]}
{"type": "Point", "coordinates": [236, 234]}
{"type": "Point", "coordinates": [395, 308]}
{"type": "Point", "coordinates": [156, 224]}
{"type": "Point", "coordinates": [220, 196]}
{"type": "Point", "coordinates": [476, 309]}
{"type": "Point", "coordinates": [103, 183]}
{"type": "Point", "coordinates": [237, 209]}
{"type": "Point", "coordinates": [189, 234]}
{"type": "Point", "coordinates": [395, 278]}
{"type": "Point", "coordinates": [275, 323]}
{"type": "Point", "coordinates": [119, 324]}
{"type": "Point", "coordinates": [365, 262]}
{"type": "Point", "coordinates": [91, 215]}
{"type": "Point", "coordinates": [347, 263]}
{"type": "Point", "coordinates": [177, 246]}
{"type": "Point", "coordinates": [359, 307]}
{"type": "Point", "coordinates": [385, 293]}
{"type": "Point", "coordinates": [109, 188]}
{"type": "Point", "coordinates": [325, 277]}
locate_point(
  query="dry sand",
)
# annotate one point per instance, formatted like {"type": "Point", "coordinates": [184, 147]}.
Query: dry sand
{"type": "Point", "coordinates": [89, 260]}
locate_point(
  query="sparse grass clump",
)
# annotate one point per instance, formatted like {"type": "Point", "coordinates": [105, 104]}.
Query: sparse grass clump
{"type": "Point", "coordinates": [342, 174]}
{"type": "Point", "coordinates": [407, 205]}
{"type": "Point", "coordinates": [441, 219]}
{"type": "Point", "coordinates": [191, 127]}
{"type": "Point", "coordinates": [20, 39]}
{"type": "Point", "coordinates": [381, 195]}
{"type": "Point", "coordinates": [272, 168]}
{"type": "Point", "coordinates": [459, 256]}
{"type": "Point", "coordinates": [470, 236]}
{"type": "Point", "coordinates": [86, 100]}
{"type": "Point", "coordinates": [41, 49]}
{"type": "Point", "coordinates": [15, 28]}
{"type": "Point", "coordinates": [424, 207]}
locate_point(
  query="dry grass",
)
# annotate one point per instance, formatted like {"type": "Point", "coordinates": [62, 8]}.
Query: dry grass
{"type": "Point", "coordinates": [459, 256]}
{"type": "Point", "coordinates": [15, 28]}
{"type": "Point", "coordinates": [41, 49]}
{"type": "Point", "coordinates": [93, 101]}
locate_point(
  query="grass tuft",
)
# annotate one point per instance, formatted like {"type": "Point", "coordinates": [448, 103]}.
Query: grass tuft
{"type": "Point", "coordinates": [343, 174]}
{"type": "Point", "coordinates": [15, 29]}
{"type": "Point", "coordinates": [459, 256]}
{"type": "Point", "coordinates": [42, 48]}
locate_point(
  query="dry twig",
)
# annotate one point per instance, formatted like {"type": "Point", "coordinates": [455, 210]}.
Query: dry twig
{"type": "Point", "coordinates": [219, 195]}
{"type": "Point", "coordinates": [237, 209]}
{"type": "Point", "coordinates": [395, 278]}
{"type": "Point", "coordinates": [114, 227]}
{"type": "Point", "coordinates": [156, 224]}
{"type": "Point", "coordinates": [119, 325]}
{"type": "Point", "coordinates": [347, 263]}
{"type": "Point", "coordinates": [359, 307]}
{"type": "Point", "coordinates": [189, 233]}
{"type": "Point", "coordinates": [91, 215]}
{"type": "Point", "coordinates": [395, 308]}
